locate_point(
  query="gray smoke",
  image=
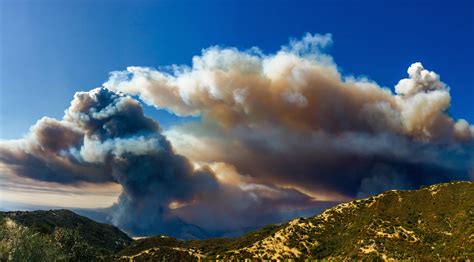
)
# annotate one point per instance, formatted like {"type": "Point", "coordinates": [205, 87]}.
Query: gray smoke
{"type": "Point", "coordinates": [104, 137]}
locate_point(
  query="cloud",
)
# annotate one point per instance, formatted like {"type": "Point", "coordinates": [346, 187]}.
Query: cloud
{"type": "Point", "coordinates": [105, 138]}
{"type": "Point", "coordinates": [291, 119]}
{"type": "Point", "coordinates": [47, 155]}
{"type": "Point", "coordinates": [280, 135]}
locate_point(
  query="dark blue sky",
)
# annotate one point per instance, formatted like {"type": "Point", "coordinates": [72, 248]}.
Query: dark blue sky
{"type": "Point", "coordinates": [51, 49]}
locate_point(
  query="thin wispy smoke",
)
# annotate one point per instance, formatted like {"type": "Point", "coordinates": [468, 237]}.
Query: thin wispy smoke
{"type": "Point", "coordinates": [278, 133]}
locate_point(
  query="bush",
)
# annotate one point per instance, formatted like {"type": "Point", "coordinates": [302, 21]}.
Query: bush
{"type": "Point", "coordinates": [73, 246]}
{"type": "Point", "coordinates": [21, 244]}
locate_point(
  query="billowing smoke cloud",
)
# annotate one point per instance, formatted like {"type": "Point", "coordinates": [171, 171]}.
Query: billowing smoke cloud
{"type": "Point", "coordinates": [277, 134]}
{"type": "Point", "coordinates": [104, 137]}
{"type": "Point", "coordinates": [291, 119]}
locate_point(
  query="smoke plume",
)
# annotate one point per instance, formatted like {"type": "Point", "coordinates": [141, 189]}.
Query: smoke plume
{"type": "Point", "coordinates": [104, 137]}
{"type": "Point", "coordinates": [292, 119]}
{"type": "Point", "coordinates": [278, 134]}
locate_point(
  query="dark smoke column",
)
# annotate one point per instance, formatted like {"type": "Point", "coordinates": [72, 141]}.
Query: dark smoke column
{"type": "Point", "coordinates": [131, 146]}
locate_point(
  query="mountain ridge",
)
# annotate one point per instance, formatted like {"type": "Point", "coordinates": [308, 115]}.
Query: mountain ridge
{"type": "Point", "coordinates": [433, 222]}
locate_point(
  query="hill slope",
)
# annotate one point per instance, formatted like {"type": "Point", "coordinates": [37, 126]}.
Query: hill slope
{"type": "Point", "coordinates": [433, 222]}
{"type": "Point", "coordinates": [68, 235]}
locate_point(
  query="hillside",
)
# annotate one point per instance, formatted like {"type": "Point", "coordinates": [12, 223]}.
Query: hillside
{"type": "Point", "coordinates": [61, 232]}
{"type": "Point", "coordinates": [435, 222]}
{"type": "Point", "coordinates": [430, 223]}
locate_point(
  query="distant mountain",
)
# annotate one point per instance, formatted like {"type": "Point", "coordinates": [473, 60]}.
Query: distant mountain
{"type": "Point", "coordinates": [174, 226]}
{"type": "Point", "coordinates": [435, 222]}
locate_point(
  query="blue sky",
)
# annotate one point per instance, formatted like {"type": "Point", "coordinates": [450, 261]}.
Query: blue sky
{"type": "Point", "coordinates": [51, 49]}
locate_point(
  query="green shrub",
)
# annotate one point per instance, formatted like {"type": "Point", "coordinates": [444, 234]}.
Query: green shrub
{"type": "Point", "coordinates": [21, 244]}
